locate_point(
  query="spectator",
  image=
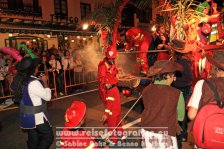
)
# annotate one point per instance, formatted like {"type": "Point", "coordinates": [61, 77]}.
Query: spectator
{"type": "Point", "coordinates": [44, 66]}
{"type": "Point", "coordinates": [78, 69]}
{"type": "Point", "coordinates": [33, 94]}
{"type": "Point", "coordinates": [10, 71]}
{"type": "Point", "coordinates": [2, 80]}
{"type": "Point", "coordinates": [56, 69]}
{"type": "Point", "coordinates": [68, 67]}
{"type": "Point", "coordinates": [2, 60]}
{"type": "Point", "coordinates": [202, 94]}
{"type": "Point", "coordinates": [163, 106]}
{"type": "Point", "coordinates": [161, 43]}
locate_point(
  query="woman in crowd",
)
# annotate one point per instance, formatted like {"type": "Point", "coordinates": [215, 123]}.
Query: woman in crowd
{"type": "Point", "coordinates": [68, 67]}
{"type": "Point", "coordinates": [56, 69]}
{"type": "Point", "coordinates": [78, 69]}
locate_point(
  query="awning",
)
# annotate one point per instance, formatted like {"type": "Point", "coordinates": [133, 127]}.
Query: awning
{"type": "Point", "coordinates": [43, 29]}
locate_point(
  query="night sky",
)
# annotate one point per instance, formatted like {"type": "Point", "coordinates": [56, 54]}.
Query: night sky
{"type": "Point", "coordinates": [219, 2]}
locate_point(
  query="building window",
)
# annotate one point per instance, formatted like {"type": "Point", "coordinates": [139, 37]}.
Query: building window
{"type": "Point", "coordinates": [60, 7]}
{"type": "Point", "coordinates": [3, 4]}
{"type": "Point", "coordinates": [85, 9]}
{"type": "Point", "coordinates": [28, 5]}
{"type": "Point", "coordinates": [21, 7]}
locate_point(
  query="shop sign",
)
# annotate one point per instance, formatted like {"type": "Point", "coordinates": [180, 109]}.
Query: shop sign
{"type": "Point", "coordinates": [57, 18]}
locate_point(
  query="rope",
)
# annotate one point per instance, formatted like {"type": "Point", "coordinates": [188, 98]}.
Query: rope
{"type": "Point", "coordinates": [127, 113]}
{"type": "Point", "coordinates": [151, 51]}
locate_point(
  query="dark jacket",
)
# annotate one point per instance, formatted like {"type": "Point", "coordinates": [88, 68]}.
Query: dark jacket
{"type": "Point", "coordinates": [186, 78]}
{"type": "Point", "coordinates": [160, 108]}
{"type": "Point", "coordinates": [207, 93]}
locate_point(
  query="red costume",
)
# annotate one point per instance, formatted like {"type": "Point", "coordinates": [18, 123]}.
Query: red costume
{"type": "Point", "coordinates": [105, 68]}
{"type": "Point", "coordinates": [109, 92]}
{"type": "Point", "coordinates": [140, 39]}
{"type": "Point", "coordinates": [73, 136]}
{"type": "Point", "coordinates": [113, 108]}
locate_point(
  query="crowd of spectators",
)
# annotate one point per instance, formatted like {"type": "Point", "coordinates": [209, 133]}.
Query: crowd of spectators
{"type": "Point", "coordinates": [67, 66]}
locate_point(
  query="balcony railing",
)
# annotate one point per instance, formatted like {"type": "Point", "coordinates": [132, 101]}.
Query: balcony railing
{"type": "Point", "coordinates": [25, 10]}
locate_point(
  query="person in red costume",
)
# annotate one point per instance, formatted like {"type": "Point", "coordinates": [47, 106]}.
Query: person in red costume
{"type": "Point", "coordinates": [72, 136]}
{"type": "Point", "coordinates": [141, 40]}
{"type": "Point", "coordinates": [105, 67]}
{"type": "Point", "coordinates": [112, 114]}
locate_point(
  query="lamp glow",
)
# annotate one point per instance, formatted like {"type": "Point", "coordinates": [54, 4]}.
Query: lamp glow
{"type": "Point", "coordinates": [85, 26]}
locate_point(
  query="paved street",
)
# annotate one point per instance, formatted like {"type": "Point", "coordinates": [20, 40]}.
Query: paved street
{"type": "Point", "coordinates": [12, 137]}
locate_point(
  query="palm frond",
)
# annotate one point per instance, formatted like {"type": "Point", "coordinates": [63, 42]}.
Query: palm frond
{"type": "Point", "coordinates": [141, 4]}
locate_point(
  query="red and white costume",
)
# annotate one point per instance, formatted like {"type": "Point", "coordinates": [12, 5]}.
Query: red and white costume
{"type": "Point", "coordinates": [105, 68]}
{"type": "Point", "coordinates": [73, 136]}
{"type": "Point", "coordinates": [113, 108]}
{"type": "Point", "coordinates": [109, 92]}
{"type": "Point", "coordinates": [140, 39]}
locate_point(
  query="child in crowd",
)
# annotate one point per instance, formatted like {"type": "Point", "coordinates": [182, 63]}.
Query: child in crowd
{"type": "Point", "coordinates": [163, 107]}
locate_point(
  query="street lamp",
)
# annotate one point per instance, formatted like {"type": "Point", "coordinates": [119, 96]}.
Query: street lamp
{"type": "Point", "coordinates": [85, 26]}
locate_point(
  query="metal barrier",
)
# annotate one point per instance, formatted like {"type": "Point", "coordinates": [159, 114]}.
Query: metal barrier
{"type": "Point", "coordinates": [5, 90]}
{"type": "Point", "coordinates": [80, 78]}
{"type": "Point", "coordinates": [54, 87]}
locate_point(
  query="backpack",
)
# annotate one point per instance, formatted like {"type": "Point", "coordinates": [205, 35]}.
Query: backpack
{"type": "Point", "coordinates": [208, 128]}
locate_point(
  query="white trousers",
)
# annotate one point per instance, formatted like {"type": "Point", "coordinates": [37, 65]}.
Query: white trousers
{"type": "Point", "coordinates": [151, 140]}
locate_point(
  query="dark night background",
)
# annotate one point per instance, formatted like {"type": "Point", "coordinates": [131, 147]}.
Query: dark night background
{"type": "Point", "coordinates": [219, 2]}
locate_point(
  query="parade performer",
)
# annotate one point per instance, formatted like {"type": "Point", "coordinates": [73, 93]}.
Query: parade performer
{"type": "Point", "coordinates": [112, 112]}
{"type": "Point", "coordinates": [160, 115]}
{"type": "Point", "coordinates": [141, 40]}
{"type": "Point", "coordinates": [33, 94]}
{"type": "Point", "coordinates": [73, 136]}
{"type": "Point", "coordinates": [105, 67]}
